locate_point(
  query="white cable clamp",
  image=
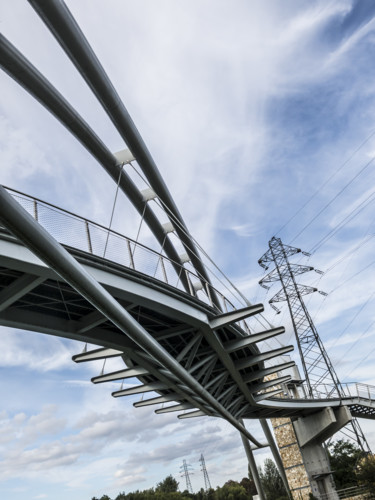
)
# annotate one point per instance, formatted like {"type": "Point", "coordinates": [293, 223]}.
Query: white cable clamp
{"type": "Point", "coordinates": [124, 156]}
{"type": "Point", "coordinates": [148, 194]}
{"type": "Point", "coordinates": [168, 227]}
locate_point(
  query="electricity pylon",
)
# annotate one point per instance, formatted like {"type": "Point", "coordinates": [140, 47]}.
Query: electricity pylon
{"type": "Point", "coordinates": [186, 471]}
{"type": "Point", "coordinates": [207, 484]}
{"type": "Point", "coordinates": [320, 375]}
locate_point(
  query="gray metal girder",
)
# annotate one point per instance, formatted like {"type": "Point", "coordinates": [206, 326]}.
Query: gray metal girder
{"type": "Point", "coordinates": [20, 223]}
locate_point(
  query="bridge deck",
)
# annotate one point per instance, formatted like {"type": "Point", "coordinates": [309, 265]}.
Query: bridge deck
{"type": "Point", "coordinates": [229, 364]}
{"type": "Point", "coordinates": [202, 361]}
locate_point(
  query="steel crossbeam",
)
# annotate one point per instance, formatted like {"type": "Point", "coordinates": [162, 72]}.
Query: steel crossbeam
{"type": "Point", "coordinates": [54, 255]}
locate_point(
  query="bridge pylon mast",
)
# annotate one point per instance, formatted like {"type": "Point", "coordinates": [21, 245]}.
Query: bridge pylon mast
{"type": "Point", "coordinates": [320, 375]}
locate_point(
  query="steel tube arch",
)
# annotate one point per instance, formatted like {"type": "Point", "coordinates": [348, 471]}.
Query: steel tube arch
{"type": "Point", "coordinates": [42, 244]}
{"type": "Point", "coordinates": [21, 70]}
{"type": "Point", "coordinates": [69, 35]}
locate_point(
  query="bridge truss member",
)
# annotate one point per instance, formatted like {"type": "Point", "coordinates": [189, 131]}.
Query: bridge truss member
{"type": "Point", "coordinates": [185, 345]}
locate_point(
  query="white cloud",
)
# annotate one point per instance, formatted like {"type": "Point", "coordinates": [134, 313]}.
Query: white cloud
{"type": "Point", "coordinates": [125, 477]}
{"type": "Point", "coordinates": [34, 351]}
{"type": "Point", "coordinates": [20, 157]}
{"type": "Point", "coordinates": [247, 109]}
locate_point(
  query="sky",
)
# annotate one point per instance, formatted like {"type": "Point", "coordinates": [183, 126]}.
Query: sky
{"type": "Point", "coordinates": [261, 119]}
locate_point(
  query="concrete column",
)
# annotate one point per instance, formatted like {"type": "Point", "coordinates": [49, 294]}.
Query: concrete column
{"type": "Point", "coordinates": [319, 472]}
{"type": "Point", "coordinates": [311, 432]}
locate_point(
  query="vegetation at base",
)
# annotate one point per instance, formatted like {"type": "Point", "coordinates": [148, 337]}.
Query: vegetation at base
{"type": "Point", "coordinates": [168, 490]}
{"type": "Point", "coordinates": [343, 458]}
{"type": "Point", "coordinates": [366, 473]}
{"type": "Point", "coordinates": [351, 467]}
{"type": "Point", "coordinates": [271, 481]}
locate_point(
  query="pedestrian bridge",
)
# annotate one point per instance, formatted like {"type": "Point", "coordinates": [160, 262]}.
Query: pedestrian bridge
{"type": "Point", "coordinates": [225, 366]}
{"type": "Point", "coordinates": [185, 338]}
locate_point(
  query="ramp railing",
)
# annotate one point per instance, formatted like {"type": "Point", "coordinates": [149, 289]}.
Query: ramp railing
{"type": "Point", "coordinates": [329, 391]}
{"type": "Point", "coordinates": [86, 235]}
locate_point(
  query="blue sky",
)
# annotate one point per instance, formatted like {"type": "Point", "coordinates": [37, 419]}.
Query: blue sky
{"type": "Point", "coordinates": [248, 109]}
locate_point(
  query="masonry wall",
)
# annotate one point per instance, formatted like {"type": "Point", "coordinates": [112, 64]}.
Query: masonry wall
{"type": "Point", "coordinates": [295, 470]}
{"type": "Point", "coordinates": [291, 456]}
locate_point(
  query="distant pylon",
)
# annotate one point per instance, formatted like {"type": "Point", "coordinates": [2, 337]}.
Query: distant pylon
{"type": "Point", "coordinates": [320, 375]}
{"type": "Point", "coordinates": [186, 471]}
{"type": "Point", "coordinates": [207, 484]}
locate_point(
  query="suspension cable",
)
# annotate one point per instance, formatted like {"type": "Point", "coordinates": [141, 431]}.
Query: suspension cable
{"type": "Point", "coordinates": [177, 223]}
{"type": "Point", "coordinates": [113, 210]}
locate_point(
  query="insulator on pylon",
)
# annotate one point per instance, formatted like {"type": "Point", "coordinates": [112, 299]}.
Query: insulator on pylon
{"type": "Point", "coordinates": [264, 286]}
{"type": "Point", "coordinates": [275, 308]}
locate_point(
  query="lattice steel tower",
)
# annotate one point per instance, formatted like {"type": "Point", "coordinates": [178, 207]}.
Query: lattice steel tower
{"type": "Point", "coordinates": [321, 378]}
{"type": "Point", "coordinates": [207, 484]}
{"type": "Point", "coordinates": [185, 472]}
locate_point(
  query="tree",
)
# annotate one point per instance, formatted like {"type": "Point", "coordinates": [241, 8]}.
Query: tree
{"type": "Point", "coordinates": [271, 481]}
{"type": "Point", "coordinates": [366, 472]}
{"type": "Point", "coordinates": [344, 457]}
{"type": "Point", "coordinates": [231, 491]}
{"type": "Point", "coordinates": [249, 486]}
{"type": "Point", "coordinates": [210, 494]}
{"type": "Point", "coordinates": [168, 485]}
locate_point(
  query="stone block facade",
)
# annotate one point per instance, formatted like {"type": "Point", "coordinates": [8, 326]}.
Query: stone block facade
{"type": "Point", "coordinates": [291, 456]}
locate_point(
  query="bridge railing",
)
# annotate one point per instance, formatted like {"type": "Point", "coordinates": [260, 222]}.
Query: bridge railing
{"type": "Point", "coordinates": [325, 391]}
{"type": "Point", "coordinates": [83, 234]}
{"type": "Point", "coordinates": [360, 390]}
{"type": "Point", "coordinates": [359, 492]}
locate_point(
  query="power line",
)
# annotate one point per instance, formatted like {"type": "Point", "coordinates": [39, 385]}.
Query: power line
{"type": "Point", "coordinates": [359, 363]}
{"type": "Point", "coordinates": [334, 198]}
{"type": "Point", "coordinates": [357, 339]}
{"type": "Point", "coordinates": [351, 252]}
{"type": "Point", "coordinates": [353, 276]}
{"type": "Point", "coordinates": [353, 213]}
{"type": "Point", "coordinates": [352, 320]}
{"type": "Point", "coordinates": [326, 182]}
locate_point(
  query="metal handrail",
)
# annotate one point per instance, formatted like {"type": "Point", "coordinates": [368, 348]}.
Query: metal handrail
{"type": "Point", "coordinates": [365, 391]}
{"type": "Point", "coordinates": [161, 268]}
{"type": "Point", "coordinates": [351, 492]}
{"type": "Point", "coordinates": [329, 391]}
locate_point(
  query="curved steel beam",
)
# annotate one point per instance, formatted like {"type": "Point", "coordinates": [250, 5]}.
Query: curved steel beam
{"type": "Point", "coordinates": [21, 70]}
{"type": "Point", "coordinates": [64, 27]}
{"type": "Point", "coordinates": [42, 244]}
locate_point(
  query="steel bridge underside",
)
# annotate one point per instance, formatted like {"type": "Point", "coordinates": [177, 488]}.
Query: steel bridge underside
{"type": "Point", "coordinates": [211, 348]}
{"type": "Point", "coordinates": [185, 352]}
